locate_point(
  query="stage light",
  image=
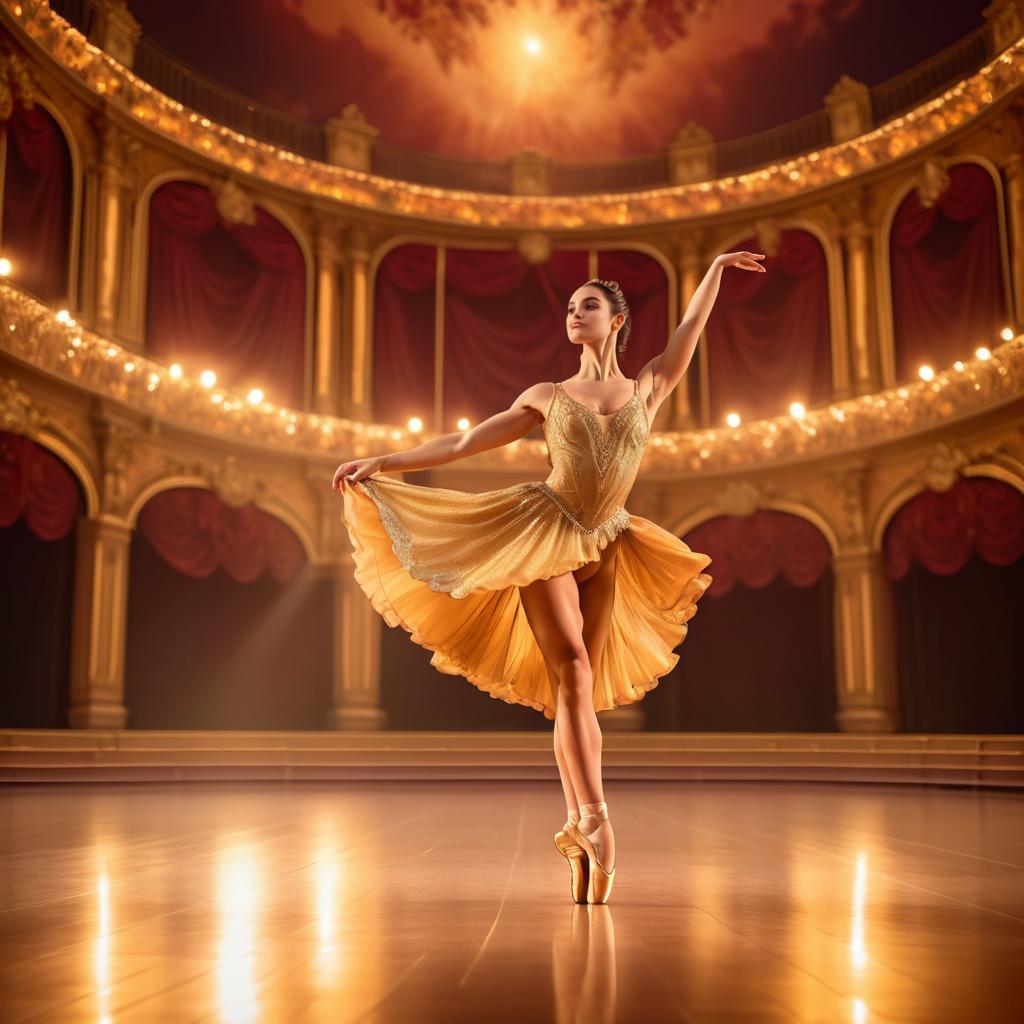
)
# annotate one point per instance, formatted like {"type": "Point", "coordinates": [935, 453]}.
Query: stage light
{"type": "Point", "coordinates": [1006, 333]}
{"type": "Point", "coordinates": [733, 419]}
{"type": "Point", "coordinates": [175, 371]}
{"type": "Point", "coordinates": [958, 366]}
{"type": "Point", "coordinates": [129, 367]}
{"type": "Point", "coordinates": [207, 378]}
{"type": "Point", "coordinates": [63, 316]}
{"type": "Point", "coordinates": [796, 410]}
{"type": "Point", "coordinates": [216, 398]}
{"type": "Point", "coordinates": [463, 424]}
{"type": "Point", "coordinates": [983, 353]}
{"type": "Point", "coordinates": [925, 372]}
{"type": "Point", "coordinates": [532, 45]}
{"type": "Point", "coordinates": [255, 396]}
{"type": "Point", "coordinates": [5, 267]}
{"type": "Point", "coordinates": [415, 424]}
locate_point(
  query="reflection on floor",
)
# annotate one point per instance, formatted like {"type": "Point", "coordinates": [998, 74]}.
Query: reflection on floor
{"type": "Point", "coordinates": [733, 902]}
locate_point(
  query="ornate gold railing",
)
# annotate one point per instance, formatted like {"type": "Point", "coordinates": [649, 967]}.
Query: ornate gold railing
{"type": "Point", "coordinates": [31, 333]}
{"type": "Point", "coordinates": [202, 94]}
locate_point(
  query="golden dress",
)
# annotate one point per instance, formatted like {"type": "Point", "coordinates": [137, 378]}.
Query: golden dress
{"type": "Point", "coordinates": [447, 565]}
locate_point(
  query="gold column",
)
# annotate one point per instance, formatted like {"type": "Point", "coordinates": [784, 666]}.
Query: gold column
{"type": "Point", "coordinates": [325, 396]}
{"type": "Point", "coordinates": [99, 621]}
{"type": "Point", "coordinates": [865, 644]}
{"type": "Point", "coordinates": [1014, 174]}
{"type": "Point", "coordinates": [357, 632]}
{"type": "Point", "coordinates": [110, 228]}
{"type": "Point", "coordinates": [439, 292]}
{"type": "Point", "coordinates": [857, 251]}
{"type": "Point", "coordinates": [688, 274]}
{"type": "Point", "coordinates": [359, 369]}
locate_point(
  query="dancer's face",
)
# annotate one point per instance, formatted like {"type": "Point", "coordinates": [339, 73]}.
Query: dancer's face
{"type": "Point", "coordinates": [589, 316]}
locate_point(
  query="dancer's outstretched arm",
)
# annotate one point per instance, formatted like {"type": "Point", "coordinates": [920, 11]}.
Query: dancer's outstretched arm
{"type": "Point", "coordinates": [668, 367]}
{"type": "Point", "coordinates": [500, 429]}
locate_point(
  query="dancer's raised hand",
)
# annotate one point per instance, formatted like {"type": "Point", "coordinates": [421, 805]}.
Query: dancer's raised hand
{"type": "Point", "coordinates": [357, 469]}
{"type": "Point", "coordinates": [744, 260]}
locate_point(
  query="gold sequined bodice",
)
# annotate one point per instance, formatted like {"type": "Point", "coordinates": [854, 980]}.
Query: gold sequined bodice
{"type": "Point", "coordinates": [594, 457]}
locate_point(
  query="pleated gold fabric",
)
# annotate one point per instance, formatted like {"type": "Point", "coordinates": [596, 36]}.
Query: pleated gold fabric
{"type": "Point", "coordinates": [447, 565]}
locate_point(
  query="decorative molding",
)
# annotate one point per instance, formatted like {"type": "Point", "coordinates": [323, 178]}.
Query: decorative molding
{"type": "Point", "coordinates": [18, 414]}
{"type": "Point", "coordinates": [943, 467]}
{"type": "Point", "coordinates": [912, 132]}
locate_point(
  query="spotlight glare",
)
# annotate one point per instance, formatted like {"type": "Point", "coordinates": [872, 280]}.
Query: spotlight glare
{"type": "Point", "coordinates": [796, 410]}
{"type": "Point", "coordinates": [733, 419]}
{"type": "Point", "coordinates": [62, 316]}
{"type": "Point", "coordinates": [415, 424]}
{"type": "Point", "coordinates": [175, 371]}
{"type": "Point", "coordinates": [958, 366]}
{"type": "Point", "coordinates": [5, 267]}
{"type": "Point", "coordinates": [255, 396]}
{"type": "Point", "coordinates": [532, 45]}
{"type": "Point", "coordinates": [925, 372]}
{"type": "Point", "coordinates": [983, 353]}
{"type": "Point", "coordinates": [207, 378]}
{"type": "Point", "coordinates": [1006, 333]}
{"type": "Point", "coordinates": [463, 424]}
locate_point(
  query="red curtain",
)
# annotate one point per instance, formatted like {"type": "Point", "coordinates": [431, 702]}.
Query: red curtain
{"type": "Point", "coordinates": [504, 327]}
{"type": "Point", "coordinates": [941, 529]}
{"type": "Point", "coordinates": [768, 336]}
{"type": "Point", "coordinates": [403, 335]}
{"type": "Point", "coordinates": [755, 550]}
{"type": "Point", "coordinates": [195, 533]}
{"type": "Point", "coordinates": [37, 204]}
{"type": "Point", "coordinates": [36, 485]}
{"type": "Point", "coordinates": [230, 297]}
{"type": "Point", "coordinates": [947, 282]}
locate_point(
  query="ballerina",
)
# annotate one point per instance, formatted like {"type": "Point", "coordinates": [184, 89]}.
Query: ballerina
{"type": "Point", "coordinates": [548, 593]}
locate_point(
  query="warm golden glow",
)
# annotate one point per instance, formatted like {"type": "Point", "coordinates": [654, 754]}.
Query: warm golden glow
{"type": "Point", "coordinates": [175, 371]}
{"type": "Point", "coordinates": [63, 316]}
{"type": "Point", "coordinates": [207, 378]}
{"type": "Point", "coordinates": [1006, 333]}
{"type": "Point", "coordinates": [797, 411]}
{"type": "Point", "coordinates": [415, 424]}
{"type": "Point", "coordinates": [733, 419]}
{"type": "Point", "coordinates": [255, 396]}
{"type": "Point", "coordinates": [532, 45]}
{"type": "Point", "coordinates": [983, 353]}
{"type": "Point", "coordinates": [925, 372]}
{"type": "Point", "coordinates": [463, 424]}
{"type": "Point", "coordinates": [5, 267]}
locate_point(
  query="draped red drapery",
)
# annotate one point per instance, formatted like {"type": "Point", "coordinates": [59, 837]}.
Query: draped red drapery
{"type": "Point", "coordinates": [36, 485]}
{"type": "Point", "coordinates": [947, 281]}
{"type": "Point", "coordinates": [195, 533]}
{"type": "Point", "coordinates": [231, 297]}
{"type": "Point", "coordinates": [768, 336]}
{"type": "Point", "coordinates": [755, 550]}
{"type": "Point", "coordinates": [403, 334]}
{"type": "Point", "coordinates": [941, 529]}
{"type": "Point", "coordinates": [37, 204]}
{"type": "Point", "coordinates": [504, 326]}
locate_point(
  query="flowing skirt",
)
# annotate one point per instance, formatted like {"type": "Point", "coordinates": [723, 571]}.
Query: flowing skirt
{"type": "Point", "coordinates": [447, 565]}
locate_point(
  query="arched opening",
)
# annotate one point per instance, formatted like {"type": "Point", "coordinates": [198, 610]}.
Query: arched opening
{"type": "Point", "coordinates": [956, 562]}
{"type": "Point", "coordinates": [40, 505]}
{"type": "Point", "coordinates": [227, 627]}
{"type": "Point", "coordinates": [758, 656]}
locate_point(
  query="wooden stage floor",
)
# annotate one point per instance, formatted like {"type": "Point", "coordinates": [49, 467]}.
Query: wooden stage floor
{"type": "Point", "coordinates": [446, 901]}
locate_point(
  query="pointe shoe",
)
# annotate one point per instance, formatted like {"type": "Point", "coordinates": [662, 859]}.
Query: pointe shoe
{"type": "Point", "coordinates": [567, 846]}
{"type": "Point", "coordinates": [600, 884]}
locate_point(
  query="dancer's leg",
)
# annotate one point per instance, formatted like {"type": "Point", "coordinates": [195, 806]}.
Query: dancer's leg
{"type": "Point", "coordinates": [572, 805]}
{"type": "Point", "coordinates": [552, 609]}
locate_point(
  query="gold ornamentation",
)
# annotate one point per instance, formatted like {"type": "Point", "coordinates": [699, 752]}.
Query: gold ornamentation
{"type": "Point", "coordinates": [233, 486]}
{"type": "Point", "coordinates": [618, 520]}
{"type": "Point", "coordinates": [739, 498]}
{"type": "Point", "coordinates": [234, 204]}
{"type": "Point", "coordinates": [942, 469]}
{"type": "Point", "coordinates": [934, 180]}
{"type": "Point", "coordinates": [118, 87]}
{"type": "Point", "coordinates": [30, 334]}
{"type": "Point", "coordinates": [17, 413]}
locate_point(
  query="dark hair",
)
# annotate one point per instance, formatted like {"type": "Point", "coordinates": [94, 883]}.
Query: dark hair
{"type": "Point", "coordinates": [619, 304]}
